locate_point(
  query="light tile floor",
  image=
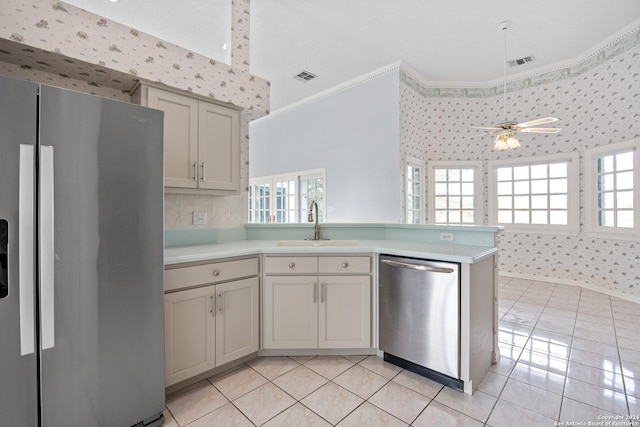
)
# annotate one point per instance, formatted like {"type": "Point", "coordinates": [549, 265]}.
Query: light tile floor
{"type": "Point", "coordinates": [567, 354]}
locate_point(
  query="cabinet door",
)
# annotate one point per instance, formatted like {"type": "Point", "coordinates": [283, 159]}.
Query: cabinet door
{"type": "Point", "coordinates": [290, 312]}
{"type": "Point", "coordinates": [219, 149]}
{"type": "Point", "coordinates": [189, 333]}
{"type": "Point", "coordinates": [180, 136]}
{"type": "Point", "coordinates": [345, 312]}
{"type": "Point", "coordinates": [237, 319]}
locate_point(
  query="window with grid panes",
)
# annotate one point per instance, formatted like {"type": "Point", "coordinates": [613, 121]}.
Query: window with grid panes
{"type": "Point", "coordinates": [535, 193]}
{"type": "Point", "coordinates": [612, 180]}
{"type": "Point", "coordinates": [285, 206]}
{"type": "Point", "coordinates": [285, 198]}
{"type": "Point", "coordinates": [615, 190]}
{"type": "Point", "coordinates": [311, 189]}
{"type": "Point", "coordinates": [456, 192]}
{"type": "Point", "coordinates": [414, 205]}
{"type": "Point", "coordinates": [260, 203]}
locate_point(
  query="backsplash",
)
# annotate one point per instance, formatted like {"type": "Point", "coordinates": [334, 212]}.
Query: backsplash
{"type": "Point", "coordinates": [596, 107]}
{"type": "Point", "coordinates": [222, 211]}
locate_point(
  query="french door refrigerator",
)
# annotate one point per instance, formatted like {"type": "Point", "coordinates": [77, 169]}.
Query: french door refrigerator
{"type": "Point", "coordinates": [81, 259]}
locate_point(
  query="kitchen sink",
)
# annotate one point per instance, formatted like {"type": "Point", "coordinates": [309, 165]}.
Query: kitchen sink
{"type": "Point", "coordinates": [317, 243]}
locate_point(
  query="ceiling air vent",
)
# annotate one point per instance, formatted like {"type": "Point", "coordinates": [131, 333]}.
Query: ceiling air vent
{"type": "Point", "coordinates": [305, 76]}
{"type": "Point", "coordinates": [521, 61]}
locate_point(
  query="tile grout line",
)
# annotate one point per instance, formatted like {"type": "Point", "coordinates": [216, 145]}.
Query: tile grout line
{"type": "Point", "coordinates": [566, 375]}
{"type": "Point", "coordinates": [486, 422]}
{"type": "Point", "coordinates": [364, 400]}
{"type": "Point", "coordinates": [433, 399]}
{"type": "Point", "coordinates": [622, 371]}
{"type": "Point", "coordinates": [532, 350]}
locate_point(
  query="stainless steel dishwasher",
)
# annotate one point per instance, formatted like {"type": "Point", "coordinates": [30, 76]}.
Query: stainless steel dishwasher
{"type": "Point", "coordinates": [420, 317]}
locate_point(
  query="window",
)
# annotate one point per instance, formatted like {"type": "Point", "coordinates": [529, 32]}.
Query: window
{"type": "Point", "coordinates": [455, 192]}
{"type": "Point", "coordinates": [260, 202]}
{"type": "Point", "coordinates": [414, 205]}
{"type": "Point", "coordinates": [311, 188]}
{"type": "Point", "coordinates": [285, 207]}
{"type": "Point", "coordinates": [611, 190]}
{"type": "Point", "coordinates": [286, 198]}
{"type": "Point", "coordinates": [536, 194]}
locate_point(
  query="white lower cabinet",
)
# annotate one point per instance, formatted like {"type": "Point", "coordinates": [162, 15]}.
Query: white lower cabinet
{"type": "Point", "coordinates": [189, 333]}
{"type": "Point", "coordinates": [237, 320]}
{"type": "Point", "coordinates": [345, 312]}
{"type": "Point", "coordinates": [315, 310]}
{"type": "Point", "coordinates": [290, 312]}
{"type": "Point", "coordinates": [208, 326]}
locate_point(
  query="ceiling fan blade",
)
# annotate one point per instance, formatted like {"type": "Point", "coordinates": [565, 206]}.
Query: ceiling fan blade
{"type": "Point", "coordinates": [540, 130]}
{"type": "Point", "coordinates": [487, 128]}
{"type": "Point", "coordinates": [537, 122]}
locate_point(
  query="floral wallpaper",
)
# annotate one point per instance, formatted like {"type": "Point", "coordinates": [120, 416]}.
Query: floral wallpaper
{"type": "Point", "coordinates": [598, 105]}
{"type": "Point", "coordinates": [240, 30]}
{"type": "Point", "coordinates": [87, 47]}
{"type": "Point", "coordinates": [29, 73]}
{"type": "Point", "coordinates": [58, 44]}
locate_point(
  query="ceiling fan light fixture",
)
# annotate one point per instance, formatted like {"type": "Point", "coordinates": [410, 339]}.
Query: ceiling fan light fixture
{"type": "Point", "coordinates": [506, 141]}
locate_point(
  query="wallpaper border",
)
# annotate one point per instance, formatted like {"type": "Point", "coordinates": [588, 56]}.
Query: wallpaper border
{"type": "Point", "coordinates": [558, 72]}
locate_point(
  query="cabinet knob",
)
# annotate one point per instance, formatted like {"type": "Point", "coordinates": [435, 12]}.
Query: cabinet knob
{"type": "Point", "coordinates": [292, 264]}
{"type": "Point", "coordinates": [345, 264]}
{"type": "Point", "coordinates": [216, 273]}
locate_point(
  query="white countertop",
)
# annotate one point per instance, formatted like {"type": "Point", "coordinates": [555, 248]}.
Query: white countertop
{"type": "Point", "coordinates": [442, 252]}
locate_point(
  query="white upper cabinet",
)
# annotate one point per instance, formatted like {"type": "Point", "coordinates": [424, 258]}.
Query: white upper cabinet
{"type": "Point", "coordinates": [201, 141]}
{"type": "Point", "coordinates": [219, 148]}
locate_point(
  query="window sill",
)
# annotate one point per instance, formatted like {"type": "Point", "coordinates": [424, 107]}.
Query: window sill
{"type": "Point", "coordinates": [612, 235]}
{"type": "Point", "coordinates": [546, 230]}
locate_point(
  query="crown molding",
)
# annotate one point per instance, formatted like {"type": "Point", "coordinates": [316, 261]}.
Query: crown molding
{"type": "Point", "coordinates": [396, 66]}
{"type": "Point", "coordinates": [625, 39]}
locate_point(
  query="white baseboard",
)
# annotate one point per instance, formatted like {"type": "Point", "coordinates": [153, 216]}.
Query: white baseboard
{"type": "Point", "coordinates": [610, 292]}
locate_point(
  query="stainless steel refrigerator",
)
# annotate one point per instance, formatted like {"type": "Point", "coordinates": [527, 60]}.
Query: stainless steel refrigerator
{"type": "Point", "coordinates": [81, 259]}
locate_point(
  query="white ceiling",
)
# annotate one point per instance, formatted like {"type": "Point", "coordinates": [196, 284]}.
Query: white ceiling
{"type": "Point", "coordinates": [443, 40]}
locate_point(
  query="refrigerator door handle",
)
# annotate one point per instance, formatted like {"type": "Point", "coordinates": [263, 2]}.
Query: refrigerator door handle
{"type": "Point", "coordinates": [47, 313]}
{"type": "Point", "coordinates": [25, 252]}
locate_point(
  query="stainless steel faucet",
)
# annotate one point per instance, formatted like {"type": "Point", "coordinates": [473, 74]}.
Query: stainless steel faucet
{"type": "Point", "coordinates": [316, 228]}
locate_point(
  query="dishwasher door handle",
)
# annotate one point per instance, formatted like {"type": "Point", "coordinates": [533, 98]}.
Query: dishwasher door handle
{"type": "Point", "coordinates": [419, 267]}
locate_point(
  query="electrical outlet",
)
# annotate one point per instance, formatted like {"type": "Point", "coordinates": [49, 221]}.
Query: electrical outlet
{"type": "Point", "coordinates": [446, 236]}
{"type": "Point", "coordinates": [199, 218]}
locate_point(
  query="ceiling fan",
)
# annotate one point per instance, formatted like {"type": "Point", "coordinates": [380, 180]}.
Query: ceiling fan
{"type": "Point", "coordinates": [507, 129]}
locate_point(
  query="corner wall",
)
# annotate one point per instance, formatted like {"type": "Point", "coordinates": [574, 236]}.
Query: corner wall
{"type": "Point", "coordinates": [353, 133]}
{"type": "Point", "coordinates": [597, 107]}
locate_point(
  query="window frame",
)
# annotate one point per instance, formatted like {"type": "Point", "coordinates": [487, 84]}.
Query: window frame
{"type": "Point", "coordinates": [296, 177]}
{"type": "Point", "coordinates": [419, 164]}
{"type": "Point", "coordinates": [592, 228]}
{"type": "Point", "coordinates": [573, 193]}
{"type": "Point", "coordinates": [478, 188]}
{"type": "Point", "coordinates": [253, 197]}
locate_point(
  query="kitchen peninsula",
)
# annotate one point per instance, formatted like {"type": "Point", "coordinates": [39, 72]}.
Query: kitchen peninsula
{"type": "Point", "coordinates": [246, 278]}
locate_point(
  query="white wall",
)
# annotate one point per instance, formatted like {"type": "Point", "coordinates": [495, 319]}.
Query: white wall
{"type": "Point", "coordinates": [354, 134]}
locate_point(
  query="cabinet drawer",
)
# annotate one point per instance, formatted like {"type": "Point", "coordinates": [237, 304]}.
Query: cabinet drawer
{"type": "Point", "coordinates": [286, 265]}
{"type": "Point", "coordinates": [185, 277]}
{"type": "Point", "coordinates": [345, 264]}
